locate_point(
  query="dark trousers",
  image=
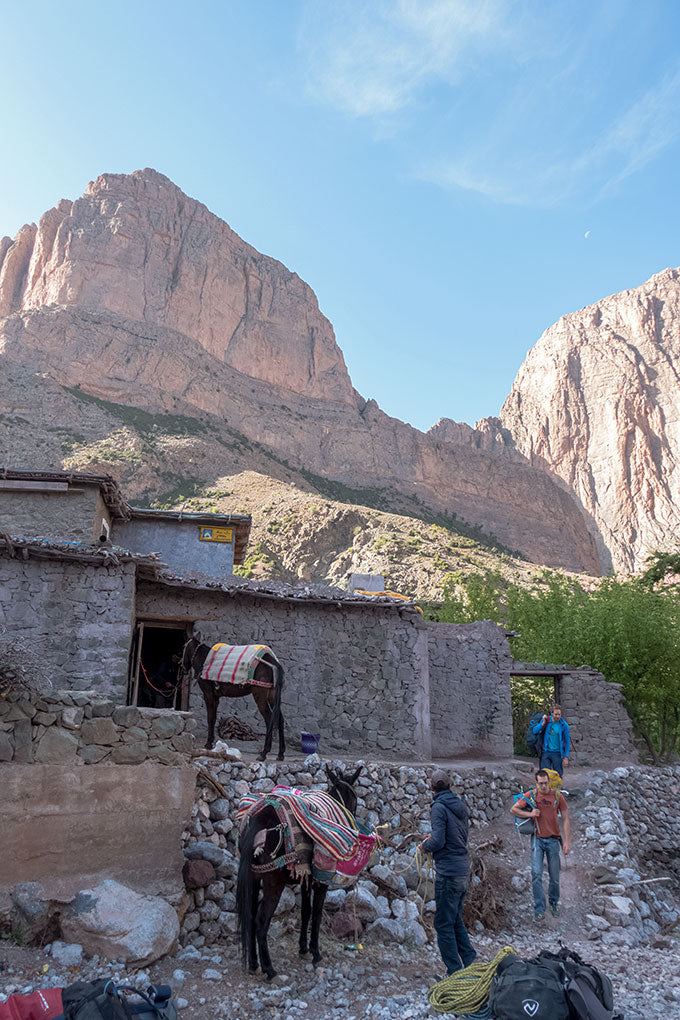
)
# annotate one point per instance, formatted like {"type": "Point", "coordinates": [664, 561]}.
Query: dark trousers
{"type": "Point", "coordinates": [552, 760]}
{"type": "Point", "coordinates": [452, 936]}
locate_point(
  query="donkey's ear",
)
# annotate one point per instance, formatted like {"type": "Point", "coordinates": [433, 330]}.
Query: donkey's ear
{"type": "Point", "coordinates": [355, 776]}
{"type": "Point", "coordinates": [331, 774]}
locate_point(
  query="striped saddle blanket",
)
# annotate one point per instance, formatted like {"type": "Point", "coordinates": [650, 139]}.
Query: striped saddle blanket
{"type": "Point", "coordinates": [236, 664]}
{"type": "Point", "coordinates": [325, 821]}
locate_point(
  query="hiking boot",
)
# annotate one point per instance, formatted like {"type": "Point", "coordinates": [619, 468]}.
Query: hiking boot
{"type": "Point", "coordinates": [538, 917]}
{"type": "Point", "coordinates": [555, 908]}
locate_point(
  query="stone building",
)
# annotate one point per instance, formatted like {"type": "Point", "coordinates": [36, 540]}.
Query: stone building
{"type": "Point", "coordinates": [364, 671]}
{"type": "Point", "coordinates": [80, 507]}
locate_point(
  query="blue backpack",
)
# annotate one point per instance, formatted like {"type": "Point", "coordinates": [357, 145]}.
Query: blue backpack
{"type": "Point", "coordinates": [525, 826]}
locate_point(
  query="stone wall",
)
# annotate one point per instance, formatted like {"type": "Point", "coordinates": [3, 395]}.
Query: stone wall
{"type": "Point", "coordinates": [397, 796]}
{"type": "Point", "coordinates": [469, 677]}
{"type": "Point", "coordinates": [599, 725]}
{"type": "Point", "coordinates": [624, 826]}
{"type": "Point", "coordinates": [632, 815]}
{"type": "Point", "coordinates": [77, 616]}
{"type": "Point", "coordinates": [84, 728]}
{"type": "Point", "coordinates": [74, 810]}
{"type": "Point", "coordinates": [357, 675]}
{"type": "Point", "coordinates": [73, 513]}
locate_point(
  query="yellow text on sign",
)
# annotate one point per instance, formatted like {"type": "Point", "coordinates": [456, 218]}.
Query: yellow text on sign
{"type": "Point", "coordinates": [215, 534]}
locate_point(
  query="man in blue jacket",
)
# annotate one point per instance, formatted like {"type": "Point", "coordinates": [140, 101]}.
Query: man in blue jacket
{"type": "Point", "coordinates": [448, 846]}
{"type": "Point", "coordinates": [556, 741]}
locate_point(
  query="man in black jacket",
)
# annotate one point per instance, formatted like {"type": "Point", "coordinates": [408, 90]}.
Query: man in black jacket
{"type": "Point", "coordinates": [448, 846]}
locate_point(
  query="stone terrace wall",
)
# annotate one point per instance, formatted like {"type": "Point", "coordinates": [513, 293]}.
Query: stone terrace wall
{"type": "Point", "coordinates": [398, 796]}
{"type": "Point", "coordinates": [625, 825]}
{"type": "Point", "coordinates": [77, 616]}
{"type": "Point", "coordinates": [92, 790]}
{"type": "Point", "coordinates": [78, 728]}
{"type": "Point", "coordinates": [360, 674]}
{"type": "Point", "coordinates": [599, 725]}
{"type": "Point", "coordinates": [470, 708]}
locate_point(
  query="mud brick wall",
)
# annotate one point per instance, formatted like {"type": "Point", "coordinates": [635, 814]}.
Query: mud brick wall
{"type": "Point", "coordinates": [469, 680]}
{"type": "Point", "coordinates": [77, 616]}
{"type": "Point", "coordinates": [84, 728]}
{"type": "Point", "coordinates": [599, 725]}
{"type": "Point", "coordinates": [357, 675]}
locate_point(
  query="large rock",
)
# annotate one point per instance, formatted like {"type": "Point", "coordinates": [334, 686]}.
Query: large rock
{"type": "Point", "coordinates": [114, 921]}
{"type": "Point", "coordinates": [56, 746]}
{"type": "Point", "coordinates": [198, 874]}
{"type": "Point", "coordinates": [363, 902]}
{"type": "Point", "coordinates": [32, 909]}
{"type": "Point", "coordinates": [596, 403]}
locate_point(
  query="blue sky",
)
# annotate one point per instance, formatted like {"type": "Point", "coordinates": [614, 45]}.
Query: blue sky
{"type": "Point", "coordinates": [430, 167]}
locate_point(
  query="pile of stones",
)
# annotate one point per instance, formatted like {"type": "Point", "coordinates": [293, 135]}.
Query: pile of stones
{"type": "Point", "coordinates": [84, 728]}
{"type": "Point", "coordinates": [631, 814]}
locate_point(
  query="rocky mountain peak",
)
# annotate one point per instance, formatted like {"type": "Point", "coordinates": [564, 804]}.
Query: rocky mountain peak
{"type": "Point", "coordinates": [136, 245]}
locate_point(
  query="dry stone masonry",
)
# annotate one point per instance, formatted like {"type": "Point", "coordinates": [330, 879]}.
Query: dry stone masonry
{"type": "Point", "coordinates": [77, 615]}
{"type": "Point", "coordinates": [85, 728]}
{"type": "Point", "coordinates": [390, 899]}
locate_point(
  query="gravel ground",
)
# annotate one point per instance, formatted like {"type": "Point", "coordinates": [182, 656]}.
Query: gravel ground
{"type": "Point", "coordinates": [377, 981]}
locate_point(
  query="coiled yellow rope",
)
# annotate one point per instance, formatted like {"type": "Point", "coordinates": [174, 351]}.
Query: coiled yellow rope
{"type": "Point", "coordinates": [466, 990]}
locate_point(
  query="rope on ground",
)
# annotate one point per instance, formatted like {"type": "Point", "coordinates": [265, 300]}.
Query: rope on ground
{"type": "Point", "coordinates": [466, 990]}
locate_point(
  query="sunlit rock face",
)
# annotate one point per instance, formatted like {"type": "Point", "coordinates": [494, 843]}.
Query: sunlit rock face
{"type": "Point", "coordinates": [139, 295]}
{"type": "Point", "coordinates": [597, 402]}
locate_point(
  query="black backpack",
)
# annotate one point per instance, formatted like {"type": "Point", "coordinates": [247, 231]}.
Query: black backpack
{"type": "Point", "coordinates": [534, 741]}
{"type": "Point", "coordinates": [589, 993]}
{"type": "Point", "coordinates": [104, 1000]}
{"type": "Point", "coordinates": [529, 988]}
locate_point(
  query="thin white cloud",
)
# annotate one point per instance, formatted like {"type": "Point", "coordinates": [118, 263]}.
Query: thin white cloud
{"type": "Point", "coordinates": [370, 60]}
{"type": "Point", "coordinates": [539, 135]}
{"type": "Point", "coordinates": [540, 177]}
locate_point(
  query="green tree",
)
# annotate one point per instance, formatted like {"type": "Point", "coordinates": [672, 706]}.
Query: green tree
{"type": "Point", "coordinates": [470, 597]}
{"type": "Point", "coordinates": [623, 628]}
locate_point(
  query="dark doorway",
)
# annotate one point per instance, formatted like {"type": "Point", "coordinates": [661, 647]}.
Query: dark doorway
{"type": "Point", "coordinates": [530, 693]}
{"type": "Point", "coordinates": [156, 655]}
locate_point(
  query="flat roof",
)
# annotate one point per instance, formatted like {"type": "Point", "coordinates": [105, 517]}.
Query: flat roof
{"type": "Point", "coordinates": [241, 523]}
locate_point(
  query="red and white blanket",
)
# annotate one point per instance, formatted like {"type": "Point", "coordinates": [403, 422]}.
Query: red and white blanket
{"type": "Point", "coordinates": [236, 664]}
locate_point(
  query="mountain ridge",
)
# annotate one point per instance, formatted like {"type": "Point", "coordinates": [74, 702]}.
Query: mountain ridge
{"type": "Point", "coordinates": [139, 295]}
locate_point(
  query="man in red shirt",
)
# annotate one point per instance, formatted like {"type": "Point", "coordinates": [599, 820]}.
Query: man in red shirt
{"type": "Point", "coordinates": [544, 805]}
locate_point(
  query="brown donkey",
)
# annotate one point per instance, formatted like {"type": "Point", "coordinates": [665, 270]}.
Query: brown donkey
{"type": "Point", "coordinates": [266, 692]}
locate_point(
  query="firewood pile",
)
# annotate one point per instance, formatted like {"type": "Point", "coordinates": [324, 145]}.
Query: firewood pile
{"type": "Point", "coordinates": [486, 895]}
{"type": "Point", "coordinates": [21, 669]}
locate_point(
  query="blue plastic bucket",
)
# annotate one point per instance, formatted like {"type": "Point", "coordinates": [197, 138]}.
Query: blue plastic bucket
{"type": "Point", "coordinates": [310, 742]}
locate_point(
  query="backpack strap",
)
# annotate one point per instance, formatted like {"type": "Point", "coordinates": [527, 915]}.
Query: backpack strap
{"type": "Point", "coordinates": [584, 1002]}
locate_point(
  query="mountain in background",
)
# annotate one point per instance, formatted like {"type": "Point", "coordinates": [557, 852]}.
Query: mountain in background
{"type": "Point", "coordinates": [140, 334]}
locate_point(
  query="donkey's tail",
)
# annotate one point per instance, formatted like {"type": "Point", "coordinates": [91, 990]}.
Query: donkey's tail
{"type": "Point", "coordinates": [245, 886]}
